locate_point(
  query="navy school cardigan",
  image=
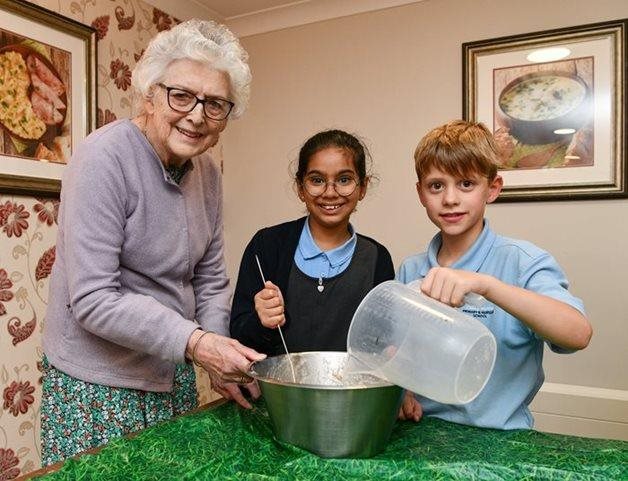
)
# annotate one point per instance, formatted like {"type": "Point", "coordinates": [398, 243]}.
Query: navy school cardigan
{"type": "Point", "coordinates": [275, 247]}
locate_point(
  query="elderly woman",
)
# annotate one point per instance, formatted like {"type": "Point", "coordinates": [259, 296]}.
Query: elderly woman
{"type": "Point", "coordinates": [139, 289]}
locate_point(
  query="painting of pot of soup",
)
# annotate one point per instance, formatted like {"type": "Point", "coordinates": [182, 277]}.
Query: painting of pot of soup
{"type": "Point", "coordinates": [544, 114]}
{"type": "Point", "coordinates": [35, 110]}
{"type": "Point", "coordinates": [557, 103]}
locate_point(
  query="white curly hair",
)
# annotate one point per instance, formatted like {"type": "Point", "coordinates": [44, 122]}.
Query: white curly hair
{"type": "Point", "coordinates": [201, 40]}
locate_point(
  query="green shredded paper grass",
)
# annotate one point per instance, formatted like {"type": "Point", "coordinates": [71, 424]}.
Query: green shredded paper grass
{"type": "Point", "coordinates": [230, 443]}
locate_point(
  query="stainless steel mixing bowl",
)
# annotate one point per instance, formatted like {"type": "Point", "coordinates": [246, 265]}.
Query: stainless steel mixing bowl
{"type": "Point", "coordinates": [326, 411]}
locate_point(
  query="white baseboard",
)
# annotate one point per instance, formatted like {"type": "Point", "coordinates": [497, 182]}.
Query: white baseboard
{"type": "Point", "coordinates": [581, 411]}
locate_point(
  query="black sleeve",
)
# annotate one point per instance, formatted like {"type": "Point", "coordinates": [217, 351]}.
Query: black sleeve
{"type": "Point", "coordinates": [384, 269]}
{"type": "Point", "coordinates": [245, 325]}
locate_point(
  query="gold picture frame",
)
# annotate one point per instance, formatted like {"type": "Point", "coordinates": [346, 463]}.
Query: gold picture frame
{"type": "Point", "coordinates": [559, 122]}
{"type": "Point", "coordinates": [49, 106]}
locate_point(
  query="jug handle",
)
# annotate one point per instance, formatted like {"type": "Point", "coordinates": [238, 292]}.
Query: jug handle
{"type": "Point", "coordinates": [471, 298]}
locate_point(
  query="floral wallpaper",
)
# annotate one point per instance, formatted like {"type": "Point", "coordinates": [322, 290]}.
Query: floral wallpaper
{"type": "Point", "coordinates": [28, 228]}
{"type": "Point", "coordinates": [27, 233]}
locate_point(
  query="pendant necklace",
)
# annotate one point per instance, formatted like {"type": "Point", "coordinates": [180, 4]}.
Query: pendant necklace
{"type": "Point", "coordinates": [320, 286]}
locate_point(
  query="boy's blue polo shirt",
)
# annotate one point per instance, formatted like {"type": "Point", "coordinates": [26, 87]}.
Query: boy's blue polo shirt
{"type": "Point", "coordinates": [518, 372]}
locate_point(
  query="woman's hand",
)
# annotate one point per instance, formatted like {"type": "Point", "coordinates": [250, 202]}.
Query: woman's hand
{"type": "Point", "coordinates": [269, 306]}
{"type": "Point", "coordinates": [410, 408]}
{"type": "Point", "coordinates": [227, 362]}
{"type": "Point", "coordinates": [230, 390]}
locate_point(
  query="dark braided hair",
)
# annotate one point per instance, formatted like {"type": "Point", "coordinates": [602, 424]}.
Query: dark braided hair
{"type": "Point", "coordinates": [338, 139]}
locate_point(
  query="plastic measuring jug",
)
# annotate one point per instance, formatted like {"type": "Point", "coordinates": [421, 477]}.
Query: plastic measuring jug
{"type": "Point", "coordinates": [407, 338]}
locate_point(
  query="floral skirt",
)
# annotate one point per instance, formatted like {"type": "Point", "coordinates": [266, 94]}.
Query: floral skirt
{"type": "Point", "coordinates": [78, 415]}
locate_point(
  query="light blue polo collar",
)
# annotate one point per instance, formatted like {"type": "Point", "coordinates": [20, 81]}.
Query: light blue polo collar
{"type": "Point", "coordinates": [336, 256]}
{"type": "Point", "coordinates": [472, 260]}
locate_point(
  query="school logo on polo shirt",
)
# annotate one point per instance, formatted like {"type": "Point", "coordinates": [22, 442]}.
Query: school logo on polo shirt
{"type": "Point", "coordinates": [479, 312]}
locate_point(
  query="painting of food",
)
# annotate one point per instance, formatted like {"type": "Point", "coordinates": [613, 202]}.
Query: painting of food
{"type": "Point", "coordinates": [543, 114]}
{"type": "Point", "coordinates": [34, 100]}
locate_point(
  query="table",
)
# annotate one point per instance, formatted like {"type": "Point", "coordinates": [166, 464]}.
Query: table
{"type": "Point", "coordinates": [230, 443]}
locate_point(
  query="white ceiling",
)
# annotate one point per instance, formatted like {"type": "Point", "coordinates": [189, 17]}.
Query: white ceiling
{"type": "Point", "coordinates": [228, 9]}
{"type": "Point", "coordinates": [250, 17]}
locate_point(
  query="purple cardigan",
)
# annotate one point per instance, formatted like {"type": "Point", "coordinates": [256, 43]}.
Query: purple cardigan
{"type": "Point", "coordinates": [139, 262]}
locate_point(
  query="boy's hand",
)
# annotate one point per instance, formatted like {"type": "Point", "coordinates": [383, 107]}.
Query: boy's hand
{"type": "Point", "coordinates": [269, 306]}
{"type": "Point", "coordinates": [410, 408]}
{"type": "Point", "coordinates": [451, 285]}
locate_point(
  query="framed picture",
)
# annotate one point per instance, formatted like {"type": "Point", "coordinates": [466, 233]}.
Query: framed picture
{"type": "Point", "coordinates": [556, 103]}
{"type": "Point", "coordinates": [47, 95]}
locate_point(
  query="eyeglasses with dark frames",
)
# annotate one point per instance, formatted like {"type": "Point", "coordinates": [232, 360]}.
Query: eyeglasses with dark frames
{"type": "Point", "coordinates": [316, 185]}
{"type": "Point", "coordinates": [183, 101]}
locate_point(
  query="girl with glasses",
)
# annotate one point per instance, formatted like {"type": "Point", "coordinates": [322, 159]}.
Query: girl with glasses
{"type": "Point", "coordinates": [317, 268]}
